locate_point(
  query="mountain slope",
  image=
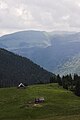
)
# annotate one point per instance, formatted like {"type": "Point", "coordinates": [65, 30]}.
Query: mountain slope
{"type": "Point", "coordinates": [59, 104]}
{"type": "Point", "coordinates": [25, 39]}
{"type": "Point", "coordinates": [63, 47]}
{"type": "Point", "coordinates": [50, 50]}
{"type": "Point", "coordinates": [72, 66]}
{"type": "Point", "coordinates": [15, 69]}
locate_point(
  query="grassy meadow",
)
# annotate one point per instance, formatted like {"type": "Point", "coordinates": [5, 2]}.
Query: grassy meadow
{"type": "Point", "coordinates": [59, 104]}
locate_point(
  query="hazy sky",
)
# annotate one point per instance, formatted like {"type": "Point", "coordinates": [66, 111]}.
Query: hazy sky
{"type": "Point", "coordinates": [46, 15]}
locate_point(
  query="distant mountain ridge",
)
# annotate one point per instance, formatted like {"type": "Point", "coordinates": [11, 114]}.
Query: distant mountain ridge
{"type": "Point", "coordinates": [51, 50]}
{"type": "Point", "coordinates": [25, 39]}
{"type": "Point", "coordinates": [15, 69]}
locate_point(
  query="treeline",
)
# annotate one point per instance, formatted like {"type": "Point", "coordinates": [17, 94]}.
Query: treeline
{"type": "Point", "coordinates": [68, 82]}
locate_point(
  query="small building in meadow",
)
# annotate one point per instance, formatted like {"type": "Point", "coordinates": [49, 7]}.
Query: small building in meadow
{"type": "Point", "coordinates": [21, 85]}
{"type": "Point", "coordinates": [39, 100]}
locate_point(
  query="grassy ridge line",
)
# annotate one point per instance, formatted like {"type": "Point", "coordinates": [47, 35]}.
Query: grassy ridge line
{"type": "Point", "coordinates": [59, 104]}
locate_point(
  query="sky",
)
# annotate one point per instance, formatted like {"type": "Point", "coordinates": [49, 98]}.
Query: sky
{"type": "Point", "coordinates": [44, 15]}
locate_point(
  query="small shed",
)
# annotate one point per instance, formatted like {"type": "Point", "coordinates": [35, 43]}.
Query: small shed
{"type": "Point", "coordinates": [21, 85]}
{"type": "Point", "coordinates": [39, 100]}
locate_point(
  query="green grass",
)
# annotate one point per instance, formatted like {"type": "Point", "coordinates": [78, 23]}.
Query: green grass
{"type": "Point", "coordinates": [59, 104]}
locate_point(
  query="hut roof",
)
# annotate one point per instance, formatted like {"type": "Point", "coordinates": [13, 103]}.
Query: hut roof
{"type": "Point", "coordinates": [21, 85]}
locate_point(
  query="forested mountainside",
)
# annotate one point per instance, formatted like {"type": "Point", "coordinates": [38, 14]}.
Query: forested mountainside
{"type": "Point", "coordinates": [15, 69]}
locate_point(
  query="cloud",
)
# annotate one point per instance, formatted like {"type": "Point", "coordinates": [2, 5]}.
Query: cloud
{"type": "Point", "coordinates": [42, 15]}
{"type": "Point", "coordinates": [3, 5]}
{"type": "Point", "coordinates": [65, 17]}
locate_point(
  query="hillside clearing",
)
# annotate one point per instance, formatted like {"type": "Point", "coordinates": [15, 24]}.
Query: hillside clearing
{"type": "Point", "coordinates": [59, 104]}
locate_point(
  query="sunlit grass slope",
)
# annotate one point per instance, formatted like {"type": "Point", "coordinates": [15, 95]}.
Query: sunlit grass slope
{"type": "Point", "coordinates": [59, 104]}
